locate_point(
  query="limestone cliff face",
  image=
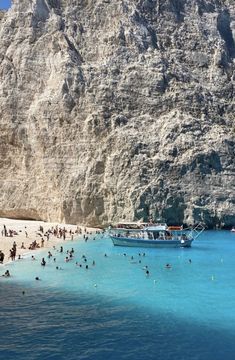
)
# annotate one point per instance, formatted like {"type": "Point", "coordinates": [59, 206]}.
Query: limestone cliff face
{"type": "Point", "coordinates": [118, 110]}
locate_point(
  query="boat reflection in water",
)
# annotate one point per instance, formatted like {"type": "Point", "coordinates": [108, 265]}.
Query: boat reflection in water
{"type": "Point", "coordinates": [153, 235]}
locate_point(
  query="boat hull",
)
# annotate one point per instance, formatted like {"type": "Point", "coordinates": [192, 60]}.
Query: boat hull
{"type": "Point", "coordinates": [132, 242]}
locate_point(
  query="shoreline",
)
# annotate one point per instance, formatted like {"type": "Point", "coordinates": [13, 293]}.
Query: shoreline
{"type": "Point", "coordinates": [28, 231]}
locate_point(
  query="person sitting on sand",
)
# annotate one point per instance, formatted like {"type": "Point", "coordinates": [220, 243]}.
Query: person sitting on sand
{"type": "Point", "coordinates": [22, 246]}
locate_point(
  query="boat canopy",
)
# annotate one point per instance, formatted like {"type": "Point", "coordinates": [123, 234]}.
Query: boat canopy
{"type": "Point", "coordinates": [129, 225]}
{"type": "Point", "coordinates": [158, 227]}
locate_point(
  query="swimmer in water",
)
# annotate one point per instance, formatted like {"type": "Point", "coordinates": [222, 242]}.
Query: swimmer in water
{"type": "Point", "coordinates": [93, 262]}
{"type": "Point", "coordinates": [168, 266]}
{"type": "Point", "coordinates": [58, 268]}
{"type": "Point", "coordinates": [43, 262]}
{"type": "Point", "coordinates": [37, 278]}
{"type": "Point", "coordinates": [7, 274]}
{"type": "Point", "coordinates": [147, 273]}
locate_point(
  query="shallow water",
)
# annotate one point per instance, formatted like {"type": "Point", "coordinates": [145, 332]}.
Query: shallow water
{"type": "Point", "coordinates": [113, 310]}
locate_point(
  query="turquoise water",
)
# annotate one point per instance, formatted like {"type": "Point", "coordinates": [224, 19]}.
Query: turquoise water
{"type": "Point", "coordinates": [114, 310]}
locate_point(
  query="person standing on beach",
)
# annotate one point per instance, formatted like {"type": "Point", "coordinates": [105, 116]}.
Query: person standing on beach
{"type": "Point", "coordinates": [1, 257]}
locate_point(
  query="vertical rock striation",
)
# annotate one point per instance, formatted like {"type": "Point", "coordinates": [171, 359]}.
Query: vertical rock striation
{"type": "Point", "coordinates": [118, 109]}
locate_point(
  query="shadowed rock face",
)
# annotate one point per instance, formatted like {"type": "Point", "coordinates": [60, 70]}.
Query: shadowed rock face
{"type": "Point", "coordinates": [118, 110]}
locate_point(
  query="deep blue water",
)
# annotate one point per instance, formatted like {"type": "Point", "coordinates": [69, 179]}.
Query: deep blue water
{"type": "Point", "coordinates": [112, 310]}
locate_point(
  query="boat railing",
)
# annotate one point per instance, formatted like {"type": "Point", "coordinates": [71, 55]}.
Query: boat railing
{"type": "Point", "coordinates": [196, 230]}
{"type": "Point", "coordinates": [148, 235]}
{"type": "Point", "coordinates": [190, 233]}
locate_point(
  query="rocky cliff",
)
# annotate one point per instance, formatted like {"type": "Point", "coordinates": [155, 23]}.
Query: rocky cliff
{"type": "Point", "coordinates": [118, 110]}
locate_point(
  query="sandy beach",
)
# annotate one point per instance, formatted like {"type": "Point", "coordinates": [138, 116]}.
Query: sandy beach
{"type": "Point", "coordinates": [27, 231]}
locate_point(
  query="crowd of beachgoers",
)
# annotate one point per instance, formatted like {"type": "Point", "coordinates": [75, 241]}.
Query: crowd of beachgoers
{"type": "Point", "coordinates": [19, 237]}
{"type": "Point", "coordinates": [56, 231]}
{"type": "Point", "coordinates": [61, 233]}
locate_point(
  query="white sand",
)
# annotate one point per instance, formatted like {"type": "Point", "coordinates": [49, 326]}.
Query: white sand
{"type": "Point", "coordinates": [32, 229]}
